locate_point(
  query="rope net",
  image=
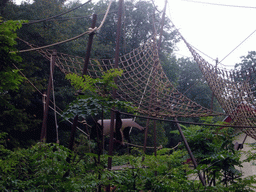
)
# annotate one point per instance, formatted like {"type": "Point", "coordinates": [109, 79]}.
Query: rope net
{"type": "Point", "coordinates": [233, 90]}
{"type": "Point", "coordinates": [143, 82]}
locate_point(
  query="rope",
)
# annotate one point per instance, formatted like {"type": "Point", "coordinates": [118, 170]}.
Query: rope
{"type": "Point", "coordinates": [232, 90]}
{"type": "Point", "coordinates": [50, 101]}
{"type": "Point", "coordinates": [70, 122]}
{"type": "Point", "coordinates": [160, 147]}
{"type": "Point", "coordinates": [58, 43]}
{"type": "Point", "coordinates": [186, 122]}
{"type": "Point", "coordinates": [54, 104]}
{"type": "Point", "coordinates": [238, 45]}
{"type": "Point", "coordinates": [142, 97]}
{"type": "Point", "coordinates": [105, 16]}
{"type": "Point", "coordinates": [49, 18]}
{"type": "Point", "coordinates": [73, 38]}
{"type": "Point", "coordinates": [237, 6]}
{"type": "Point", "coordinates": [78, 17]}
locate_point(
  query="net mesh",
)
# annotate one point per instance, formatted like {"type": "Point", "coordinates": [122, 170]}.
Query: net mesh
{"type": "Point", "coordinates": [233, 90]}
{"type": "Point", "coordinates": [143, 82]}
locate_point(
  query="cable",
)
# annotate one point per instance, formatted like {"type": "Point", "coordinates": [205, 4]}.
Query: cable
{"type": "Point", "coordinates": [237, 6]}
{"type": "Point", "coordinates": [58, 43]}
{"type": "Point", "coordinates": [239, 45]}
{"type": "Point", "coordinates": [202, 53]}
{"type": "Point", "coordinates": [54, 102]}
{"type": "Point", "coordinates": [78, 17]}
{"type": "Point", "coordinates": [46, 19]}
{"type": "Point", "coordinates": [50, 100]}
{"type": "Point", "coordinates": [73, 38]}
{"type": "Point", "coordinates": [184, 122]}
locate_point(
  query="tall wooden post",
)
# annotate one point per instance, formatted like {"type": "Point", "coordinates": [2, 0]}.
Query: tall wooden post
{"type": "Point", "coordinates": [44, 124]}
{"type": "Point", "coordinates": [89, 45]}
{"type": "Point", "coordinates": [86, 63]}
{"type": "Point", "coordinates": [189, 152]}
{"type": "Point", "coordinates": [118, 35]}
{"type": "Point", "coordinates": [162, 26]}
{"type": "Point", "coordinates": [212, 90]}
{"type": "Point", "coordinates": [153, 91]}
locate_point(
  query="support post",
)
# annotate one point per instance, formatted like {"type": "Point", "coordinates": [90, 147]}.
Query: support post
{"type": "Point", "coordinates": [212, 90]}
{"type": "Point", "coordinates": [86, 62]}
{"type": "Point", "coordinates": [189, 152]}
{"type": "Point", "coordinates": [44, 124]}
{"type": "Point", "coordinates": [145, 139]}
{"type": "Point", "coordinates": [162, 26]}
{"type": "Point", "coordinates": [118, 35]}
{"type": "Point", "coordinates": [89, 45]}
{"type": "Point", "coordinates": [155, 137]}
{"type": "Point", "coordinates": [72, 137]}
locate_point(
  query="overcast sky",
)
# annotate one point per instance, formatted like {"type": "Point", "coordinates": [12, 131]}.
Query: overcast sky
{"type": "Point", "coordinates": [214, 29]}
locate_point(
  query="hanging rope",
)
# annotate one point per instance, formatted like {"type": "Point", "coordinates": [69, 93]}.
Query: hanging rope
{"type": "Point", "coordinates": [50, 101]}
{"type": "Point", "coordinates": [160, 147]}
{"type": "Point", "coordinates": [70, 39]}
{"type": "Point", "coordinates": [54, 106]}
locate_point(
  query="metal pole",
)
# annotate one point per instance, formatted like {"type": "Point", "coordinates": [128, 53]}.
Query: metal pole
{"type": "Point", "coordinates": [212, 90]}
{"type": "Point", "coordinates": [190, 152]}
{"type": "Point", "coordinates": [146, 136]}
{"type": "Point", "coordinates": [118, 35]}
{"type": "Point", "coordinates": [89, 45]}
{"type": "Point", "coordinates": [71, 143]}
{"type": "Point", "coordinates": [86, 62]}
{"type": "Point", "coordinates": [44, 124]}
{"type": "Point", "coordinates": [114, 91]}
{"type": "Point", "coordinates": [155, 137]}
{"type": "Point", "coordinates": [73, 131]}
{"type": "Point", "coordinates": [162, 26]}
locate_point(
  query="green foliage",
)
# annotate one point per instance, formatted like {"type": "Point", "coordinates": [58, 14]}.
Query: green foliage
{"type": "Point", "coordinates": [192, 84]}
{"type": "Point", "coordinates": [87, 83]}
{"type": "Point", "coordinates": [214, 151]}
{"type": "Point", "coordinates": [97, 95]}
{"type": "Point", "coordinates": [10, 79]}
{"type": "Point", "coordinates": [38, 168]}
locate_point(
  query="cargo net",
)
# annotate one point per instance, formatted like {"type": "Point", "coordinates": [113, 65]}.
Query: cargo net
{"type": "Point", "coordinates": [234, 91]}
{"type": "Point", "coordinates": [143, 82]}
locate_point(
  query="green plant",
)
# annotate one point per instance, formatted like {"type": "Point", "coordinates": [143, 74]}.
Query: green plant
{"type": "Point", "coordinates": [97, 95]}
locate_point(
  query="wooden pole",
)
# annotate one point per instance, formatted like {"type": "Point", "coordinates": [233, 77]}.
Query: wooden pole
{"type": "Point", "coordinates": [114, 91]}
{"type": "Point", "coordinates": [189, 151]}
{"type": "Point", "coordinates": [86, 63]}
{"type": "Point", "coordinates": [44, 124]}
{"type": "Point", "coordinates": [89, 45]}
{"type": "Point", "coordinates": [212, 90]}
{"type": "Point", "coordinates": [118, 35]}
{"type": "Point", "coordinates": [72, 137]}
{"type": "Point", "coordinates": [162, 26]}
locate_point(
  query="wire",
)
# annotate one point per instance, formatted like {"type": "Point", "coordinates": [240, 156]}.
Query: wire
{"type": "Point", "coordinates": [54, 102]}
{"type": "Point", "coordinates": [78, 17]}
{"type": "Point", "coordinates": [237, 6]}
{"type": "Point", "coordinates": [185, 122]}
{"type": "Point", "coordinates": [50, 100]}
{"type": "Point", "coordinates": [49, 18]}
{"type": "Point", "coordinates": [73, 38]}
{"type": "Point", "coordinates": [66, 18]}
{"type": "Point", "coordinates": [238, 45]}
{"type": "Point", "coordinates": [58, 43]}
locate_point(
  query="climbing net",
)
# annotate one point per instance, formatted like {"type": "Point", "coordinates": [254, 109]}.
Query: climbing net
{"type": "Point", "coordinates": [143, 81]}
{"type": "Point", "coordinates": [233, 90]}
